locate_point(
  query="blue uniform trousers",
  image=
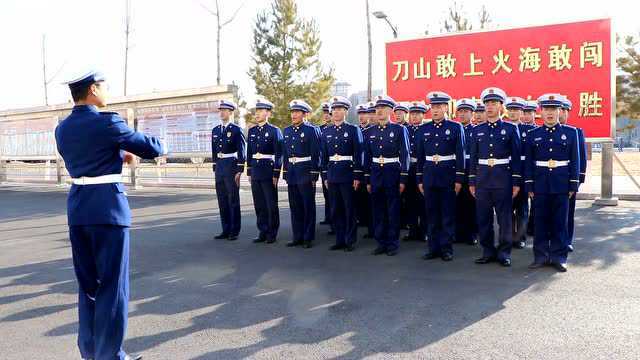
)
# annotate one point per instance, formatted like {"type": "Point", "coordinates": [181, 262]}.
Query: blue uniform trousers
{"type": "Point", "coordinates": [265, 202]}
{"type": "Point", "coordinates": [228, 194]}
{"type": "Point", "coordinates": [364, 214]}
{"type": "Point", "coordinates": [101, 263]}
{"type": "Point", "coordinates": [343, 212]}
{"type": "Point", "coordinates": [386, 217]}
{"type": "Point", "coordinates": [488, 200]}
{"type": "Point", "coordinates": [440, 206]}
{"type": "Point", "coordinates": [551, 237]}
{"type": "Point", "coordinates": [520, 217]}
{"type": "Point", "coordinates": [302, 200]}
{"type": "Point", "coordinates": [416, 218]}
{"type": "Point", "coordinates": [570, 219]}
{"type": "Point", "coordinates": [466, 219]}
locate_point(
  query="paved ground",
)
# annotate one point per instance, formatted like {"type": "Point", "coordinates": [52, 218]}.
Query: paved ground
{"type": "Point", "coordinates": [197, 298]}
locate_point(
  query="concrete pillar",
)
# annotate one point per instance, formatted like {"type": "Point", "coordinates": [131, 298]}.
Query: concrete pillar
{"type": "Point", "coordinates": [606, 182]}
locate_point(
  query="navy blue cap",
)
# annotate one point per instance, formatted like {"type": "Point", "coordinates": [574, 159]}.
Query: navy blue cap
{"type": "Point", "coordinates": [438, 97]}
{"type": "Point", "coordinates": [262, 103]}
{"type": "Point", "coordinates": [385, 100]}
{"type": "Point", "coordinates": [493, 93]}
{"type": "Point", "coordinates": [566, 103]}
{"type": "Point", "coordinates": [515, 102]}
{"type": "Point", "coordinates": [85, 79]}
{"type": "Point", "coordinates": [467, 104]}
{"type": "Point", "coordinates": [326, 107]}
{"type": "Point", "coordinates": [227, 104]}
{"type": "Point", "coordinates": [531, 106]}
{"type": "Point", "coordinates": [418, 106]}
{"type": "Point", "coordinates": [551, 100]}
{"type": "Point", "coordinates": [480, 107]}
{"type": "Point", "coordinates": [340, 101]}
{"type": "Point", "coordinates": [401, 106]}
{"type": "Point", "coordinates": [301, 105]}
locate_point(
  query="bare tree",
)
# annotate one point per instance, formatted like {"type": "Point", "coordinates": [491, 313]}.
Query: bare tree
{"type": "Point", "coordinates": [484, 17]}
{"type": "Point", "coordinates": [45, 81]}
{"type": "Point", "coordinates": [127, 31]}
{"type": "Point", "coordinates": [220, 25]}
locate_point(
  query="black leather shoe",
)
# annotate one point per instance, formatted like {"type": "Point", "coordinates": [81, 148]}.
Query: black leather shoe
{"type": "Point", "coordinates": [337, 247]}
{"type": "Point", "coordinates": [325, 222]}
{"type": "Point", "coordinates": [331, 232]}
{"type": "Point", "coordinates": [367, 236]}
{"type": "Point", "coordinates": [570, 248]}
{"type": "Point", "coordinates": [378, 251]}
{"type": "Point", "coordinates": [536, 265]}
{"type": "Point", "coordinates": [505, 262]}
{"type": "Point", "coordinates": [349, 248]}
{"type": "Point", "coordinates": [271, 240]}
{"type": "Point", "coordinates": [430, 256]}
{"type": "Point", "coordinates": [518, 245]}
{"type": "Point", "coordinates": [232, 237]}
{"type": "Point", "coordinates": [447, 257]}
{"type": "Point", "coordinates": [407, 238]}
{"type": "Point", "coordinates": [559, 266]}
{"type": "Point", "coordinates": [133, 357]}
{"type": "Point", "coordinates": [307, 245]}
{"type": "Point", "coordinates": [293, 243]}
{"type": "Point", "coordinates": [485, 260]}
{"type": "Point", "coordinates": [259, 240]}
{"type": "Point", "coordinates": [392, 252]}
{"type": "Point", "coordinates": [473, 242]}
{"type": "Point", "coordinates": [221, 236]}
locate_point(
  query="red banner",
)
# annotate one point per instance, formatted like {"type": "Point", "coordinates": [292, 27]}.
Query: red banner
{"type": "Point", "coordinates": [573, 59]}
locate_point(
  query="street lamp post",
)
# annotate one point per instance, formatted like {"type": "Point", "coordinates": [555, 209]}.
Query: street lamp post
{"type": "Point", "coordinates": [382, 15]}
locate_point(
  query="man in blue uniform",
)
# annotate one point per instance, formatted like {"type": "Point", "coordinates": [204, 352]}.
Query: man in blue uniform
{"type": "Point", "coordinates": [515, 109]}
{"type": "Point", "coordinates": [301, 170]}
{"type": "Point", "coordinates": [93, 145]}
{"type": "Point", "coordinates": [551, 178]}
{"type": "Point", "coordinates": [228, 148]}
{"type": "Point", "coordinates": [326, 122]}
{"type": "Point", "coordinates": [416, 217]}
{"type": "Point", "coordinates": [386, 166]}
{"type": "Point", "coordinates": [528, 124]}
{"type": "Point", "coordinates": [363, 198]}
{"type": "Point", "coordinates": [479, 115]}
{"type": "Point", "coordinates": [466, 223]}
{"type": "Point", "coordinates": [400, 111]}
{"type": "Point", "coordinates": [264, 162]}
{"type": "Point", "coordinates": [495, 177]}
{"type": "Point", "coordinates": [582, 153]}
{"type": "Point", "coordinates": [342, 168]}
{"type": "Point", "coordinates": [440, 175]}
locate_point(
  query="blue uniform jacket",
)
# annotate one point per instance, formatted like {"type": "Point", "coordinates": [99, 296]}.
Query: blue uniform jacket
{"type": "Point", "coordinates": [412, 130]}
{"type": "Point", "coordinates": [91, 144]}
{"type": "Point", "coordinates": [343, 140]}
{"type": "Point", "coordinates": [301, 142]}
{"type": "Point", "coordinates": [443, 139]}
{"type": "Point", "coordinates": [499, 140]}
{"type": "Point", "coordinates": [229, 141]}
{"type": "Point", "coordinates": [558, 143]}
{"type": "Point", "coordinates": [267, 140]}
{"type": "Point", "coordinates": [388, 141]}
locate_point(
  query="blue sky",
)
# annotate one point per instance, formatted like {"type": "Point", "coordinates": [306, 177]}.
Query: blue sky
{"type": "Point", "coordinates": [173, 41]}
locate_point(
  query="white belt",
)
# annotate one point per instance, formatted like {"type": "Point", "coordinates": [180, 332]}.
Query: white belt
{"type": "Point", "coordinates": [259, 156]}
{"type": "Point", "coordinates": [552, 163]}
{"type": "Point", "coordinates": [385, 160]}
{"type": "Point", "coordinates": [523, 158]}
{"type": "Point", "coordinates": [337, 157]}
{"type": "Point", "coordinates": [229, 155]}
{"type": "Point", "coordinates": [104, 179]}
{"type": "Point", "coordinates": [437, 158]}
{"type": "Point", "coordinates": [467, 157]}
{"type": "Point", "coordinates": [491, 162]}
{"type": "Point", "coordinates": [294, 160]}
{"type": "Point", "coordinates": [413, 160]}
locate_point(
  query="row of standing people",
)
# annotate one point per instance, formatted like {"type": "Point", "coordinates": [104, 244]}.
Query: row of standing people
{"type": "Point", "coordinates": [452, 176]}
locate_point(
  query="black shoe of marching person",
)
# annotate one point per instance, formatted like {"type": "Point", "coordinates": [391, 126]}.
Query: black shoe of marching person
{"type": "Point", "coordinates": [232, 237]}
{"type": "Point", "coordinates": [349, 248]}
{"type": "Point", "coordinates": [337, 247]}
{"type": "Point", "coordinates": [485, 260]}
{"type": "Point", "coordinates": [379, 251]}
{"type": "Point", "coordinates": [294, 243]}
{"type": "Point", "coordinates": [221, 236]}
{"type": "Point", "coordinates": [307, 245]}
{"type": "Point", "coordinates": [430, 256]}
{"type": "Point", "coordinates": [259, 239]}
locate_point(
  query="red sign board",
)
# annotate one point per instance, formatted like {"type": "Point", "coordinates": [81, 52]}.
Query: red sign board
{"type": "Point", "coordinates": [573, 59]}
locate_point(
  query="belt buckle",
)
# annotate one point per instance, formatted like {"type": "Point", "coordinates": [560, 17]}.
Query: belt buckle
{"type": "Point", "coordinates": [552, 164]}
{"type": "Point", "coordinates": [293, 160]}
{"type": "Point", "coordinates": [334, 157]}
{"type": "Point", "coordinates": [381, 160]}
{"type": "Point", "coordinates": [491, 162]}
{"type": "Point", "coordinates": [436, 159]}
